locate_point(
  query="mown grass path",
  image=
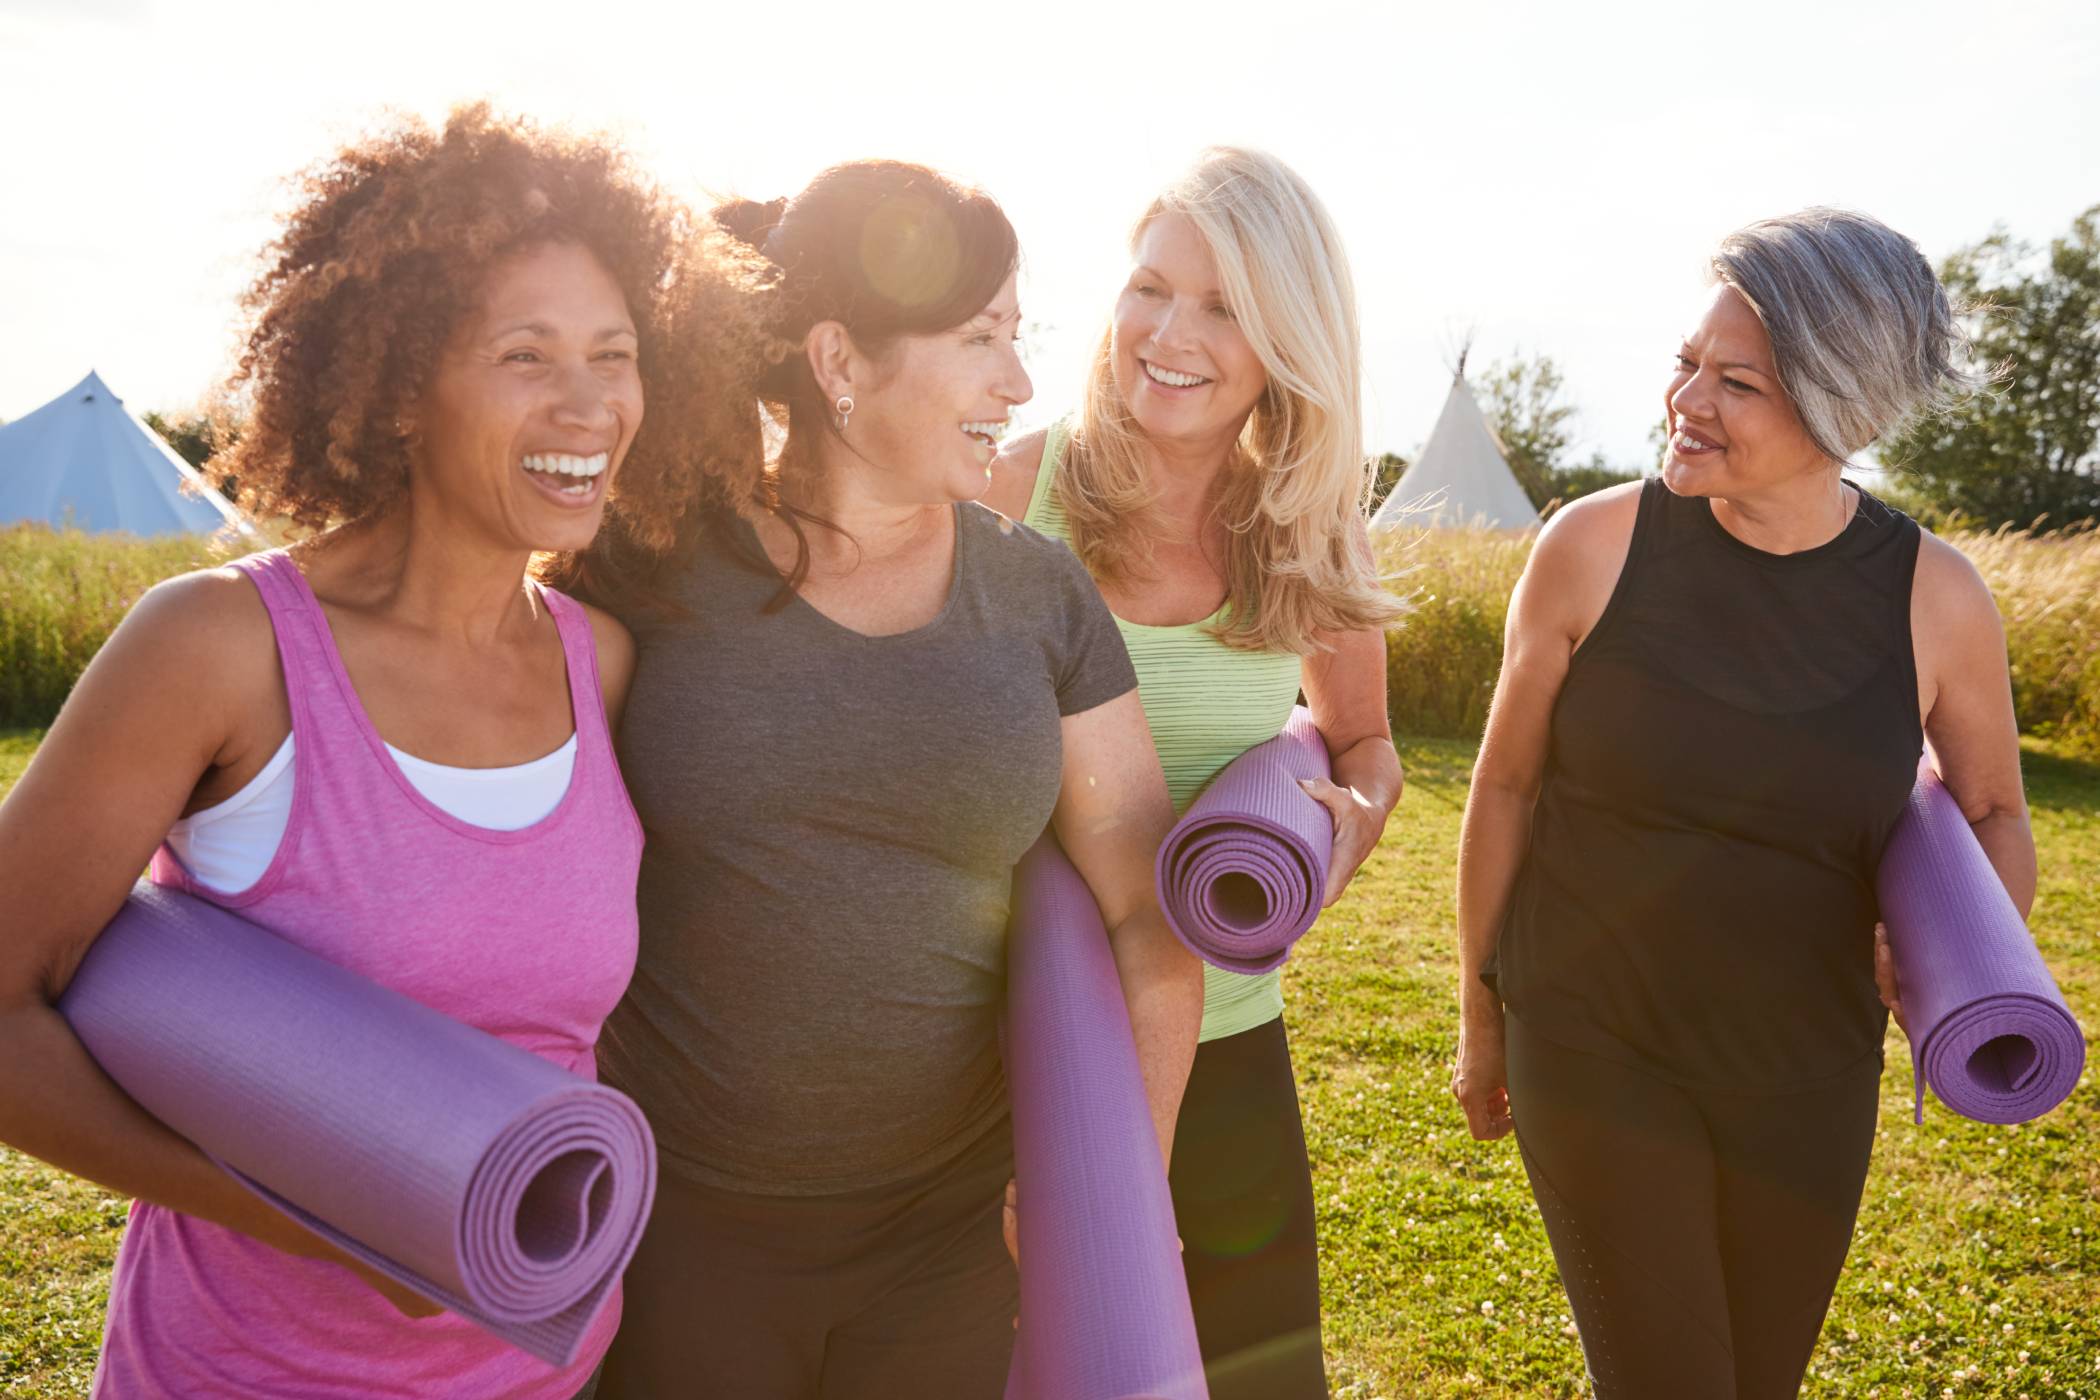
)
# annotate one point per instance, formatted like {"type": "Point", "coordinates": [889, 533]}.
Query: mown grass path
{"type": "Point", "coordinates": [1975, 1272]}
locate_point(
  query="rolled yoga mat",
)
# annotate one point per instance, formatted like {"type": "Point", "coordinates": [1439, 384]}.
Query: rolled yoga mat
{"type": "Point", "coordinates": [478, 1174]}
{"type": "Point", "coordinates": [1988, 1028]}
{"type": "Point", "coordinates": [1104, 1303]}
{"type": "Point", "coordinates": [1242, 873]}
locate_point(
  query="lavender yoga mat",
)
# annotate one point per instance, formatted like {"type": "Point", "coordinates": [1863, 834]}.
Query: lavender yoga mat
{"type": "Point", "coordinates": [481, 1176]}
{"type": "Point", "coordinates": [1104, 1302]}
{"type": "Point", "coordinates": [1988, 1028]}
{"type": "Point", "coordinates": [1242, 873]}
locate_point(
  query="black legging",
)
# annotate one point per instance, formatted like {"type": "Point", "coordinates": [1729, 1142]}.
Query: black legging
{"type": "Point", "coordinates": [1699, 1233]}
{"type": "Point", "coordinates": [1243, 1203]}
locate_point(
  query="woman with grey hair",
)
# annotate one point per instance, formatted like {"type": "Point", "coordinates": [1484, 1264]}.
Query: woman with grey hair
{"type": "Point", "coordinates": [1714, 695]}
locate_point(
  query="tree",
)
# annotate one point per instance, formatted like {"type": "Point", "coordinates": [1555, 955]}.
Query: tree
{"type": "Point", "coordinates": [2029, 448]}
{"type": "Point", "coordinates": [1525, 408]}
{"type": "Point", "coordinates": [1522, 402]}
{"type": "Point", "coordinates": [1387, 472]}
{"type": "Point", "coordinates": [197, 438]}
{"type": "Point", "coordinates": [1593, 475]}
{"type": "Point", "coordinates": [191, 437]}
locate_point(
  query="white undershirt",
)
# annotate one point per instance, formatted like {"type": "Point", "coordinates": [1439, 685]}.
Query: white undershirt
{"type": "Point", "coordinates": [229, 845]}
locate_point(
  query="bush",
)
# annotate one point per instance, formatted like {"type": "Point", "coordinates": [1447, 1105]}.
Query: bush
{"type": "Point", "coordinates": [61, 594]}
{"type": "Point", "coordinates": [1442, 659]}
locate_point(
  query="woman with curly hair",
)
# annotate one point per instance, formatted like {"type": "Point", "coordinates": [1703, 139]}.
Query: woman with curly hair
{"type": "Point", "coordinates": [866, 700]}
{"type": "Point", "coordinates": [387, 744]}
{"type": "Point", "coordinates": [1213, 481]}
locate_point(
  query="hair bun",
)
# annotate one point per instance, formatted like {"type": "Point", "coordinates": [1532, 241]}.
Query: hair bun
{"type": "Point", "coordinates": [750, 221]}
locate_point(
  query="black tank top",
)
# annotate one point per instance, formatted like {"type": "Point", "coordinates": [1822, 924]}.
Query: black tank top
{"type": "Point", "coordinates": [1732, 746]}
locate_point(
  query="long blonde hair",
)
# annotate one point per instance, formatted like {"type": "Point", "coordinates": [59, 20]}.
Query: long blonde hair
{"type": "Point", "coordinates": [1295, 494]}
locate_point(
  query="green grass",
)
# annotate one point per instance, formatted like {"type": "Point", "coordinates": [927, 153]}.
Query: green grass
{"type": "Point", "coordinates": [58, 1238]}
{"type": "Point", "coordinates": [1974, 1272]}
{"type": "Point", "coordinates": [1976, 1244]}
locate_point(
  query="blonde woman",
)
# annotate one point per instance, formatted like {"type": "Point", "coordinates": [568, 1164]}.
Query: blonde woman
{"type": "Point", "coordinates": [1213, 483]}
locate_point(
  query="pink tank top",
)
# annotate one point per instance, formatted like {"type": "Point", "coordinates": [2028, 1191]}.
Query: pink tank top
{"type": "Point", "coordinates": [529, 935]}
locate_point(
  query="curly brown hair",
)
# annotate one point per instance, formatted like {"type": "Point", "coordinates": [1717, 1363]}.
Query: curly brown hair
{"type": "Point", "coordinates": [386, 252]}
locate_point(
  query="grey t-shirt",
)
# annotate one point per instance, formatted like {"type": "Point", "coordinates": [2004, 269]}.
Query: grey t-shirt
{"type": "Point", "coordinates": [832, 825]}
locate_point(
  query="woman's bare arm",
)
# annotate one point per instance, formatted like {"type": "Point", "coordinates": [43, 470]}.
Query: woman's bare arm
{"type": "Point", "coordinates": [1112, 814]}
{"type": "Point", "coordinates": [1565, 586]}
{"type": "Point", "coordinates": [1965, 697]}
{"type": "Point", "coordinates": [1345, 688]}
{"type": "Point", "coordinates": [178, 695]}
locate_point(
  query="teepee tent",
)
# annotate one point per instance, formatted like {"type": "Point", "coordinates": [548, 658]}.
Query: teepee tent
{"type": "Point", "coordinates": [1461, 478]}
{"type": "Point", "coordinates": [86, 461]}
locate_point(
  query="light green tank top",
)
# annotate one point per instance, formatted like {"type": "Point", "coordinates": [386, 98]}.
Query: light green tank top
{"type": "Point", "coordinates": [1207, 703]}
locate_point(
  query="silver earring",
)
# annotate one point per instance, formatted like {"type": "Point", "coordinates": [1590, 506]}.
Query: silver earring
{"type": "Point", "coordinates": [845, 410]}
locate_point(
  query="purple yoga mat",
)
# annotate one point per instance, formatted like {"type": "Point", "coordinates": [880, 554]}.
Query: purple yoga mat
{"type": "Point", "coordinates": [1104, 1303]}
{"type": "Point", "coordinates": [476, 1173]}
{"type": "Point", "coordinates": [1242, 873]}
{"type": "Point", "coordinates": [1988, 1028]}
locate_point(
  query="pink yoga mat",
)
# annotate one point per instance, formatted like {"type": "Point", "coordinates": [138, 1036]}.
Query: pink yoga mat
{"type": "Point", "coordinates": [486, 1179]}
{"type": "Point", "coordinates": [1242, 873]}
{"type": "Point", "coordinates": [1989, 1031]}
{"type": "Point", "coordinates": [1104, 1302]}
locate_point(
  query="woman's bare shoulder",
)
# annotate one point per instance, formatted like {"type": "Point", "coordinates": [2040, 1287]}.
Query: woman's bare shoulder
{"type": "Point", "coordinates": [1950, 601]}
{"type": "Point", "coordinates": [1013, 474]}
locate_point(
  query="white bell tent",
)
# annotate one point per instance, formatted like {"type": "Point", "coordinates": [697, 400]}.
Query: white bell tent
{"type": "Point", "coordinates": [84, 460]}
{"type": "Point", "coordinates": [1461, 478]}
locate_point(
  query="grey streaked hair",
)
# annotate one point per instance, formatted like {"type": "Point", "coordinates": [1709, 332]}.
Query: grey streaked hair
{"type": "Point", "coordinates": [1863, 334]}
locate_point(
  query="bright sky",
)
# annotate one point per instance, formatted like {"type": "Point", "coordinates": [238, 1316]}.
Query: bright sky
{"type": "Point", "coordinates": [1545, 177]}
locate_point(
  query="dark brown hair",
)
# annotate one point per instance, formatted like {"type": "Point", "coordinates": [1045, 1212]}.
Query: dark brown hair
{"type": "Point", "coordinates": [885, 248]}
{"type": "Point", "coordinates": [387, 250]}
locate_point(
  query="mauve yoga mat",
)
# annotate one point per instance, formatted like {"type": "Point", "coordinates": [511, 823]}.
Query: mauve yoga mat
{"type": "Point", "coordinates": [1104, 1303]}
{"type": "Point", "coordinates": [481, 1176]}
{"type": "Point", "coordinates": [1988, 1028]}
{"type": "Point", "coordinates": [1242, 873]}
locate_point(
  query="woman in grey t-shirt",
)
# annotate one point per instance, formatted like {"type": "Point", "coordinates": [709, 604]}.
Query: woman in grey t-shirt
{"type": "Point", "coordinates": [861, 698]}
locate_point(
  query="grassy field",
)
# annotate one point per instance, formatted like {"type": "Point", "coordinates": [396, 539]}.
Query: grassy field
{"type": "Point", "coordinates": [1976, 1271]}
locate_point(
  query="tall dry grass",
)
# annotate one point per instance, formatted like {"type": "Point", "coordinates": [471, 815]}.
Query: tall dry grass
{"type": "Point", "coordinates": [1443, 658]}
{"type": "Point", "coordinates": [2048, 592]}
{"type": "Point", "coordinates": [61, 594]}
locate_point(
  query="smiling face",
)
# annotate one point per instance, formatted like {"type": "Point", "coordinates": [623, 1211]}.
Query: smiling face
{"type": "Point", "coordinates": [1180, 360]}
{"type": "Point", "coordinates": [936, 404]}
{"type": "Point", "coordinates": [533, 403]}
{"type": "Point", "coordinates": [1733, 430]}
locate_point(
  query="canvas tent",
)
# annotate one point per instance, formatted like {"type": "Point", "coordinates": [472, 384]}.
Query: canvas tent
{"type": "Point", "coordinates": [1461, 478]}
{"type": "Point", "coordinates": [85, 460]}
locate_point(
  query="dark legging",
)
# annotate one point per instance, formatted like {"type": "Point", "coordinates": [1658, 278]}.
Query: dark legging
{"type": "Point", "coordinates": [1243, 1203]}
{"type": "Point", "coordinates": [896, 1292]}
{"type": "Point", "coordinates": [1699, 1233]}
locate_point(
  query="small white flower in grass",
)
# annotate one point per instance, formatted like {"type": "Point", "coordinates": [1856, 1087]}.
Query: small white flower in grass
{"type": "Point", "coordinates": [1487, 1309]}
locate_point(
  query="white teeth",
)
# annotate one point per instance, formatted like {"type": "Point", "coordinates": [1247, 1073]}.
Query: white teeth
{"type": "Point", "coordinates": [1687, 443]}
{"type": "Point", "coordinates": [1173, 377]}
{"type": "Point", "coordinates": [989, 429]}
{"type": "Point", "coordinates": [564, 464]}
